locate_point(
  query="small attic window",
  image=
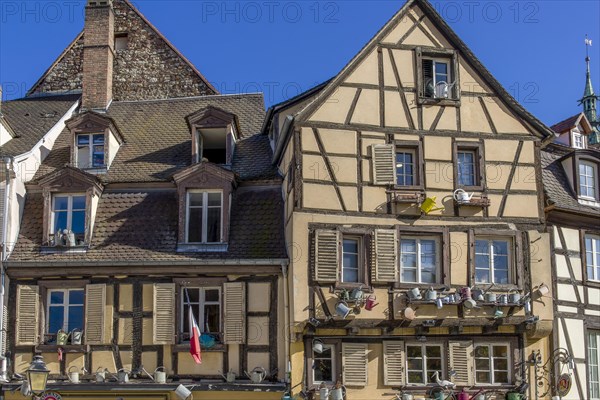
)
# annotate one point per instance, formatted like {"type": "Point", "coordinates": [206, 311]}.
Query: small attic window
{"type": "Point", "coordinates": [212, 145]}
{"type": "Point", "coordinates": [121, 41]}
{"type": "Point", "coordinates": [437, 75]}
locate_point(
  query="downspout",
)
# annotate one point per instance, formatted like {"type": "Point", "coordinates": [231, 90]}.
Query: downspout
{"type": "Point", "coordinates": [7, 163]}
{"type": "Point", "coordinates": [286, 321]}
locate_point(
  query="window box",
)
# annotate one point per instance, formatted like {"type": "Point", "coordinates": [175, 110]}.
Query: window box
{"type": "Point", "coordinates": [481, 201]}
{"type": "Point", "coordinates": [400, 197]}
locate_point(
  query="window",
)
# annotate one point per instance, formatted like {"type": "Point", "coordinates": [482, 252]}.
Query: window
{"type": "Point", "coordinates": [594, 363]}
{"type": "Point", "coordinates": [90, 150]}
{"type": "Point", "coordinates": [121, 41]}
{"type": "Point", "coordinates": [204, 217]}
{"type": "Point", "coordinates": [65, 310]}
{"type": "Point", "coordinates": [419, 259]}
{"type": "Point", "coordinates": [422, 362]}
{"type": "Point", "coordinates": [588, 180]}
{"type": "Point", "coordinates": [351, 260]}
{"type": "Point", "coordinates": [493, 261]}
{"type": "Point", "coordinates": [405, 167]}
{"type": "Point", "coordinates": [592, 257]}
{"type": "Point", "coordinates": [68, 213]}
{"type": "Point", "coordinates": [436, 73]}
{"type": "Point", "coordinates": [206, 306]}
{"type": "Point", "coordinates": [324, 365]}
{"type": "Point", "coordinates": [492, 364]}
{"type": "Point", "coordinates": [467, 168]}
{"type": "Point", "coordinates": [578, 141]}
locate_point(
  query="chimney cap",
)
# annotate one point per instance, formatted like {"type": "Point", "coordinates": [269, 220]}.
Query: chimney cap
{"type": "Point", "coordinates": [99, 3]}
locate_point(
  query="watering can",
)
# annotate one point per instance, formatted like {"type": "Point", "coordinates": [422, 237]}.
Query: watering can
{"type": "Point", "coordinates": [470, 303]}
{"type": "Point", "coordinates": [465, 293]}
{"type": "Point", "coordinates": [357, 294]}
{"type": "Point", "coordinates": [514, 396]}
{"type": "Point", "coordinates": [323, 393]}
{"type": "Point", "coordinates": [76, 336]}
{"type": "Point", "coordinates": [461, 196]}
{"type": "Point", "coordinates": [414, 294]}
{"type": "Point", "coordinates": [230, 376]}
{"type": "Point", "coordinates": [101, 374]}
{"type": "Point", "coordinates": [429, 205]}
{"type": "Point", "coordinates": [342, 309]}
{"type": "Point", "coordinates": [62, 337]}
{"type": "Point", "coordinates": [344, 295]}
{"type": "Point", "coordinates": [514, 296]}
{"type": "Point", "coordinates": [74, 375]}
{"type": "Point", "coordinates": [337, 393]}
{"type": "Point", "coordinates": [317, 346]}
{"type": "Point", "coordinates": [183, 393]}
{"type": "Point", "coordinates": [430, 294]}
{"type": "Point", "coordinates": [407, 396]}
{"type": "Point", "coordinates": [503, 299]}
{"type": "Point", "coordinates": [123, 375]}
{"type": "Point", "coordinates": [370, 304]}
{"type": "Point", "coordinates": [161, 376]}
{"type": "Point", "coordinates": [477, 294]}
{"type": "Point", "coordinates": [257, 375]}
{"type": "Point", "coordinates": [286, 396]}
{"type": "Point", "coordinates": [409, 313]}
{"type": "Point", "coordinates": [490, 297]}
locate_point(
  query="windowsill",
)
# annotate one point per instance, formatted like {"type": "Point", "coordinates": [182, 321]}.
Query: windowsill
{"type": "Point", "coordinates": [439, 102]}
{"type": "Point", "coordinates": [202, 247]}
{"type": "Point", "coordinates": [588, 201]}
{"type": "Point", "coordinates": [64, 249]}
{"type": "Point", "coordinates": [185, 347]}
{"type": "Point", "coordinates": [95, 171]}
{"type": "Point", "coordinates": [67, 348]}
{"type": "Point", "coordinates": [592, 283]}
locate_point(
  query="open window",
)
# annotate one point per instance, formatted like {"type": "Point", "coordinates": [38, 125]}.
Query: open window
{"type": "Point", "coordinates": [214, 134]}
{"type": "Point", "coordinates": [437, 77]}
{"type": "Point", "coordinates": [205, 304]}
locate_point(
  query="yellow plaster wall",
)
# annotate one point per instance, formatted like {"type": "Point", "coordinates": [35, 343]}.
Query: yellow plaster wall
{"type": "Point", "coordinates": [258, 331]}
{"type": "Point", "coordinates": [367, 108]}
{"type": "Point", "coordinates": [125, 297]}
{"type": "Point", "coordinates": [259, 295]}
{"type": "Point", "coordinates": [338, 141]}
{"type": "Point", "coordinates": [437, 148]}
{"type": "Point", "coordinates": [148, 297]}
{"type": "Point", "coordinates": [336, 107]}
{"type": "Point", "coordinates": [147, 332]}
{"type": "Point", "coordinates": [258, 360]}
{"type": "Point", "coordinates": [102, 360]}
{"type": "Point", "coordinates": [212, 362]}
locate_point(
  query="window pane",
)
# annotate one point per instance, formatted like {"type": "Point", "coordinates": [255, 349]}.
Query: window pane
{"type": "Point", "coordinates": [98, 157]}
{"type": "Point", "coordinates": [413, 351]}
{"type": "Point", "coordinates": [214, 199]}
{"type": "Point", "coordinates": [350, 275]}
{"type": "Point", "coordinates": [75, 318]}
{"type": "Point", "coordinates": [500, 247]}
{"type": "Point", "coordinates": [57, 297]}
{"type": "Point", "coordinates": [78, 222]}
{"type": "Point", "coordinates": [213, 229]}
{"type": "Point", "coordinates": [501, 364]}
{"type": "Point", "coordinates": [500, 351]}
{"type": "Point", "coordinates": [433, 351]}
{"type": "Point", "coordinates": [482, 364]}
{"type": "Point", "coordinates": [409, 275]}
{"type": "Point", "coordinates": [193, 294]}
{"type": "Point", "coordinates": [434, 364]}
{"type": "Point", "coordinates": [211, 318]}
{"type": "Point", "coordinates": [61, 203]}
{"type": "Point", "coordinates": [415, 377]}
{"type": "Point", "coordinates": [60, 221]}
{"type": "Point", "coordinates": [415, 364]}
{"type": "Point", "coordinates": [78, 202]}
{"type": "Point", "coordinates": [83, 140]}
{"type": "Point", "coordinates": [350, 246]}
{"type": "Point", "coordinates": [482, 351]}
{"type": "Point", "coordinates": [99, 139]}
{"type": "Point", "coordinates": [483, 377]}
{"type": "Point", "coordinates": [323, 371]}
{"type": "Point", "coordinates": [196, 199]}
{"type": "Point", "coordinates": [500, 377]}
{"type": "Point", "coordinates": [76, 297]}
{"type": "Point", "coordinates": [211, 295]}
{"type": "Point", "coordinates": [409, 246]}
{"type": "Point", "coordinates": [56, 319]}
{"type": "Point", "coordinates": [501, 276]}
{"type": "Point", "coordinates": [195, 225]}
{"type": "Point", "coordinates": [482, 276]}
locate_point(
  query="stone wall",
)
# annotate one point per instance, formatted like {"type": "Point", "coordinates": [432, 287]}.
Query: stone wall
{"type": "Point", "coordinates": [148, 69]}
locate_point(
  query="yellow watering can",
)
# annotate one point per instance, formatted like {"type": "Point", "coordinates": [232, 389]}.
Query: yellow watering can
{"type": "Point", "coordinates": [428, 205]}
{"type": "Point", "coordinates": [62, 337]}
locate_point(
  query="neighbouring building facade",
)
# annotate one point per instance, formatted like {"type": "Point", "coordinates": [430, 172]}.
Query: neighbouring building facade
{"type": "Point", "coordinates": [409, 178]}
{"type": "Point", "coordinates": [157, 197]}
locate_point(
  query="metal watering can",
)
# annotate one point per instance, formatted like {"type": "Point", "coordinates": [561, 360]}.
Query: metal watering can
{"type": "Point", "coordinates": [229, 377]}
{"type": "Point", "coordinates": [371, 302]}
{"type": "Point", "coordinates": [62, 337]}
{"type": "Point", "coordinates": [357, 294]}
{"type": "Point", "coordinates": [101, 374]}
{"type": "Point", "coordinates": [161, 376]}
{"type": "Point", "coordinates": [514, 296]}
{"type": "Point", "coordinates": [257, 375]}
{"type": "Point", "coordinates": [76, 336]}
{"type": "Point", "coordinates": [514, 396]}
{"type": "Point", "coordinates": [342, 309]}
{"type": "Point", "coordinates": [74, 375]}
{"type": "Point", "coordinates": [317, 346]}
{"type": "Point", "coordinates": [461, 196]}
{"type": "Point", "coordinates": [123, 375]}
{"type": "Point", "coordinates": [430, 294]}
{"type": "Point", "coordinates": [338, 393]}
{"type": "Point", "coordinates": [429, 205]}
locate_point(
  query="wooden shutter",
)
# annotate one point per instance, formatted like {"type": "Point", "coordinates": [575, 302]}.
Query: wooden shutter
{"type": "Point", "coordinates": [354, 364]}
{"type": "Point", "coordinates": [95, 303]}
{"type": "Point", "coordinates": [164, 313]}
{"type": "Point", "coordinates": [460, 360]}
{"type": "Point", "coordinates": [385, 257]}
{"type": "Point", "coordinates": [394, 363]}
{"type": "Point", "coordinates": [384, 164]}
{"type": "Point", "coordinates": [235, 313]}
{"type": "Point", "coordinates": [428, 88]}
{"type": "Point", "coordinates": [327, 248]}
{"type": "Point", "coordinates": [28, 309]}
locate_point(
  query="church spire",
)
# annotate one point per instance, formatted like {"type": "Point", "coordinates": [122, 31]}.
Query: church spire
{"type": "Point", "coordinates": [589, 97]}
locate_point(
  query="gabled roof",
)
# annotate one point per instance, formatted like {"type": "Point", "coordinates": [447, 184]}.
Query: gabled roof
{"type": "Point", "coordinates": [571, 123]}
{"type": "Point", "coordinates": [70, 177]}
{"type": "Point", "coordinates": [211, 115]}
{"type": "Point", "coordinates": [454, 39]}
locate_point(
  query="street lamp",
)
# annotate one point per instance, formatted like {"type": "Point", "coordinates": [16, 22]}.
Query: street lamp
{"type": "Point", "coordinates": [37, 375]}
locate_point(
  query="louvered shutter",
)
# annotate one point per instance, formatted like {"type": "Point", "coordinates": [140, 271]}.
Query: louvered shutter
{"type": "Point", "coordinates": [5, 319]}
{"type": "Point", "coordinates": [164, 313]}
{"type": "Point", "coordinates": [384, 165]}
{"type": "Point", "coordinates": [460, 360]}
{"type": "Point", "coordinates": [393, 363]}
{"type": "Point", "coordinates": [95, 303]}
{"type": "Point", "coordinates": [28, 307]}
{"type": "Point", "coordinates": [327, 248]}
{"type": "Point", "coordinates": [428, 88]}
{"type": "Point", "coordinates": [354, 364]}
{"type": "Point", "coordinates": [2, 194]}
{"type": "Point", "coordinates": [235, 313]}
{"type": "Point", "coordinates": [385, 257]}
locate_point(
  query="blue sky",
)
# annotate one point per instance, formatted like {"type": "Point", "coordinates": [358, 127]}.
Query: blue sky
{"type": "Point", "coordinates": [534, 48]}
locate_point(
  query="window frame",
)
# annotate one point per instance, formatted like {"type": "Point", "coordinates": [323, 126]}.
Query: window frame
{"type": "Point", "coordinates": [517, 272]}
{"type": "Point", "coordinates": [199, 318]}
{"type": "Point", "coordinates": [90, 147]}
{"type": "Point", "coordinates": [205, 208]}
{"type": "Point", "coordinates": [584, 233]}
{"type": "Point", "coordinates": [333, 364]}
{"type": "Point", "coordinates": [574, 137]}
{"type": "Point", "coordinates": [363, 261]}
{"type": "Point", "coordinates": [509, 365]}
{"type": "Point", "coordinates": [477, 148]}
{"type": "Point", "coordinates": [491, 254]}
{"type": "Point", "coordinates": [309, 359]}
{"type": "Point", "coordinates": [444, 359]}
{"type": "Point", "coordinates": [443, 237]}
{"type": "Point", "coordinates": [439, 255]}
{"type": "Point", "coordinates": [595, 179]}
{"type": "Point", "coordinates": [69, 211]}
{"type": "Point", "coordinates": [432, 53]}
{"type": "Point", "coordinates": [589, 332]}
{"type": "Point", "coordinates": [65, 305]}
{"type": "Point", "coordinates": [585, 155]}
{"type": "Point", "coordinates": [416, 148]}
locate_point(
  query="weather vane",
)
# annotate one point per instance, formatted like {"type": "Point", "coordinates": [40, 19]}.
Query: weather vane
{"type": "Point", "coordinates": [588, 44]}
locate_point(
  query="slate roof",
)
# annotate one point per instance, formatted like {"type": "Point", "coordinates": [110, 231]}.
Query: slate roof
{"type": "Point", "coordinates": [142, 226]}
{"type": "Point", "coordinates": [31, 118]}
{"type": "Point", "coordinates": [565, 125]}
{"type": "Point", "coordinates": [557, 187]}
{"type": "Point", "coordinates": [158, 140]}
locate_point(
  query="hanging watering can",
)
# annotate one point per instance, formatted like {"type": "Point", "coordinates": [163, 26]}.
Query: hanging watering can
{"type": "Point", "coordinates": [323, 392]}
{"type": "Point", "coordinates": [439, 303]}
{"type": "Point", "coordinates": [338, 393]}
{"type": "Point", "coordinates": [463, 395]}
{"type": "Point", "coordinates": [370, 304]}
{"type": "Point", "coordinates": [160, 376]}
{"type": "Point", "coordinates": [477, 294]}
{"type": "Point", "coordinates": [470, 303]}
{"type": "Point", "coordinates": [414, 294]}
{"type": "Point", "coordinates": [429, 205]}
{"type": "Point", "coordinates": [317, 346]}
{"type": "Point", "coordinates": [62, 337]}
{"type": "Point", "coordinates": [498, 313]}
{"type": "Point", "coordinates": [123, 375]}
{"type": "Point", "coordinates": [407, 396]}
{"type": "Point", "coordinates": [514, 296]}
{"type": "Point", "coordinates": [430, 294]}
{"type": "Point", "coordinates": [257, 375]}
{"type": "Point", "coordinates": [465, 293]}
{"type": "Point", "coordinates": [76, 336]}
{"type": "Point", "coordinates": [462, 197]}
{"type": "Point", "coordinates": [490, 297]}
{"type": "Point", "coordinates": [344, 295]}
{"type": "Point", "coordinates": [513, 396]}
{"type": "Point", "coordinates": [409, 313]}
{"type": "Point", "coordinates": [229, 377]}
{"type": "Point", "coordinates": [101, 375]}
{"type": "Point", "coordinates": [503, 299]}
{"type": "Point", "coordinates": [527, 306]}
{"type": "Point", "coordinates": [183, 393]}
{"type": "Point", "coordinates": [286, 396]}
{"type": "Point", "coordinates": [73, 375]}
{"type": "Point", "coordinates": [342, 309]}
{"type": "Point", "coordinates": [357, 294]}
{"type": "Point", "coordinates": [542, 290]}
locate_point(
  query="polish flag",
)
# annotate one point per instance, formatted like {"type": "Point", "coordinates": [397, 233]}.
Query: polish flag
{"type": "Point", "coordinates": [194, 338]}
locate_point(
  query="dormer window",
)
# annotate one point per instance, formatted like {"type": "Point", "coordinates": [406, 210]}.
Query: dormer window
{"type": "Point", "coordinates": [212, 145]}
{"type": "Point", "coordinates": [214, 134]}
{"type": "Point", "coordinates": [578, 141]}
{"type": "Point", "coordinates": [588, 180]}
{"type": "Point", "coordinates": [90, 151]}
{"type": "Point", "coordinates": [68, 219]}
{"type": "Point", "coordinates": [204, 217]}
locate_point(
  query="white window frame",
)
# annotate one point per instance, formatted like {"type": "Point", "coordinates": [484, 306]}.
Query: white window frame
{"type": "Point", "coordinates": [434, 60]}
{"type": "Point", "coordinates": [69, 211]}
{"type": "Point", "coordinates": [438, 258]}
{"type": "Point", "coordinates": [90, 150]}
{"type": "Point", "coordinates": [65, 305]}
{"type": "Point", "coordinates": [333, 364]}
{"type": "Point", "coordinates": [413, 152]}
{"type": "Point", "coordinates": [205, 208]}
{"type": "Point", "coordinates": [594, 177]}
{"type": "Point", "coordinates": [594, 361]}
{"type": "Point", "coordinates": [475, 167]}
{"type": "Point", "coordinates": [578, 140]}
{"type": "Point", "coordinates": [426, 375]}
{"type": "Point", "coordinates": [490, 247]}
{"type": "Point", "coordinates": [491, 359]}
{"type": "Point", "coordinates": [594, 250]}
{"type": "Point", "coordinates": [360, 271]}
{"type": "Point", "coordinates": [201, 304]}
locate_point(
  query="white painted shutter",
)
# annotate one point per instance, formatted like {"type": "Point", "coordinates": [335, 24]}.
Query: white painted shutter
{"type": "Point", "coordinates": [327, 248]}
{"type": "Point", "coordinates": [460, 360]}
{"type": "Point", "coordinates": [385, 259]}
{"type": "Point", "coordinates": [95, 303]}
{"type": "Point", "coordinates": [394, 363]}
{"type": "Point", "coordinates": [28, 311]}
{"type": "Point", "coordinates": [354, 364]}
{"type": "Point", "coordinates": [235, 312]}
{"type": "Point", "coordinates": [164, 313]}
{"type": "Point", "coordinates": [384, 164]}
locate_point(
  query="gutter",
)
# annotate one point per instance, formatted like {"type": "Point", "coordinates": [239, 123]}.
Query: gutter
{"type": "Point", "coordinates": [286, 132]}
{"type": "Point", "coordinates": [141, 263]}
{"type": "Point", "coordinates": [7, 165]}
{"type": "Point", "coordinates": [286, 320]}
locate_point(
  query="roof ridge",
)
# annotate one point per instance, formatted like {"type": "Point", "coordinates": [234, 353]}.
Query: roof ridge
{"type": "Point", "coordinates": [171, 99]}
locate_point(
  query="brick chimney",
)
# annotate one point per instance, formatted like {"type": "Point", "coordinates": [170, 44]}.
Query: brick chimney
{"type": "Point", "coordinates": [98, 54]}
